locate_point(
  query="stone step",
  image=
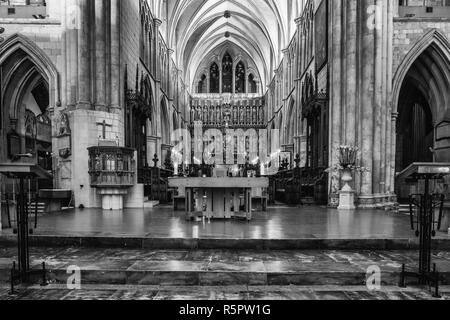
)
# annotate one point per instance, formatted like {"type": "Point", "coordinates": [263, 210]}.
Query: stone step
{"type": "Point", "coordinates": [150, 204]}
{"type": "Point", "coordinates": [442, 242]}
{"type": "Point", "coordinates": [225, 268]}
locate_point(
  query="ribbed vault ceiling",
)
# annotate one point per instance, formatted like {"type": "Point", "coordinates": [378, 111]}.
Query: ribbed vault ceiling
{"type": "Point", "coordinates": [261, 28]}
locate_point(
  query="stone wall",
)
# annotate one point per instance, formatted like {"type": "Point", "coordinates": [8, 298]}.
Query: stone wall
{"type": "Point", "coordinates": [408, 31]}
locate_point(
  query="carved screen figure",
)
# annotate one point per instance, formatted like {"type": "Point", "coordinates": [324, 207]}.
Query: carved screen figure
{"type": "Point", "coordinates": [227, 74]}
{"type": "Point", "coordinates": [240, 78]}
{"type": "Point", "coordinates": [214, 82]}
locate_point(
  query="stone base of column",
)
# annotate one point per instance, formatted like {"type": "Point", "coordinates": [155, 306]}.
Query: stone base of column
{"type": "Point", "coordinates": [376, 201]}
{"type": "Point", "coordinates": [346, 200]}
{"type": "Point", "coordinates": [112, 199]}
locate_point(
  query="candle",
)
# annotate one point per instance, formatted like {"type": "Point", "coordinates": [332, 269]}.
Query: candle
{"type": "Point", "coordinates": [175, 169]}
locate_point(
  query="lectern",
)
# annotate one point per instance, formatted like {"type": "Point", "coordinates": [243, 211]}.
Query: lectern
{"type": "Point", "coordinates": [425, 223]}
{"type": "Point", "coordinates": [22, 172]}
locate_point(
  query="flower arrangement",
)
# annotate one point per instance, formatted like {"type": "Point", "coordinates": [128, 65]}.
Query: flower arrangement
{"type": "Point", "coordinates": [347, 159]}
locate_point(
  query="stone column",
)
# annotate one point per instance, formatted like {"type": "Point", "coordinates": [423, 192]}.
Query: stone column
{"type": "Point", "coordinates": [233, 77]}
{"type": "Point", "coordinates": [378, 98]}
{"type": "Point", "coordinates": [395, 7]}
{"type": "Point", "coordinates": [246, 80]}
{"type": "Point", "coordinates": [220, 78]}
{"type": "Point", "coordinates": [115, 54]}
{"type": "Point", "coordinates": [393, 151]}
{"type": "Point", "coordinates": [84, 57]}
{"type": "Point", "coordinates": [336, 89]}
{"type": "Point", "coordinates": [170, 79]}
{"type": "Point", "coordinates": [72, 26]}
{"type": "Point", "coordinates": [351, 77]}
{"type": "Point", "coordinates": [157, 62]}
{"type": "Point", "coordinates": [367, 96]}
{"type": "Point", "coordinates": [100, 54]}
{"type": "Point", "coordinates": [390, 146]}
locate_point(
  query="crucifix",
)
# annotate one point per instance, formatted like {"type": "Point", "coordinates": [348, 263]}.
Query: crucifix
{"type": "Point", "coordinates": [104, 125]}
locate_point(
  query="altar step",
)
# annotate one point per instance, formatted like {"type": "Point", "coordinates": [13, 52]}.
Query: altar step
{"type": "Point", "coordinates": [149, 243]}
{"type": "Point", "coordinates": [223, 268]}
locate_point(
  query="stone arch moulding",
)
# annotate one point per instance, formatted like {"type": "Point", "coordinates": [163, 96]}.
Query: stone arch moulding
{"type": "Point", "coordinates": [40, 60]}
{"type": "Point", "coordinates": [432, 37]}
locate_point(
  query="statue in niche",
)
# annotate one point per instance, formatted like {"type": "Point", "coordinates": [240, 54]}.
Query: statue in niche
{"type": "Point", "coordinates": [249, 115]}
{"type": "Point", "coordinates": [261, 115]}
{"type": "Point", "coordinates": [212, 114]}
{"type": "Point", "coordinates": [254, 115]}
{"type": "Point", "coordinates": [205, 114]}
{"type": "Point", "coordinates": [193, 114]}
{"type": "Point", "coordinates": [242, 115]}
{"type": "Point", "coordinates": [218, 114]}
{"type": "Point", "coordinates": [198, 113]}
{"type": "Point", "coordinates": [64, 125]}
{"type": "Point", "coordinates": [235, 115]}
{"type": "Point", "coordinates": [64, 135]}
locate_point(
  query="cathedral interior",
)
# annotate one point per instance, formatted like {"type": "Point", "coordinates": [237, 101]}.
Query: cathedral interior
{"type": "Point", "coordinates": [221, 119]}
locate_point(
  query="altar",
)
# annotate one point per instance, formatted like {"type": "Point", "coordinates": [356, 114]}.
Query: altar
{"type": "Point", "coordinates": [219, 198]}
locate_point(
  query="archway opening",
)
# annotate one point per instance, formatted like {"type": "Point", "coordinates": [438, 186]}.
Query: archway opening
{"type": "Point", "coordinates": [25, 119]}
{"type": "Point", "coordinates": [414, 127]}
{"type": "Point", "coordinates": [25, 110]}
{"type": "Point", "coordinates": [423, 102]}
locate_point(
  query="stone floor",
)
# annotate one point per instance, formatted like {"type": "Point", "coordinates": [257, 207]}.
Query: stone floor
{"type": "Point", "coordinates": [233, 293]}
{"type": "Point", "coordinates": [221, 267]}
{"type": "Point", "coordinates": [277, 223]}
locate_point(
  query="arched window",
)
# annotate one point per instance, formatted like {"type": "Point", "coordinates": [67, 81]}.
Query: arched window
{"type": "Point", "coordinates": [214, 82]}
{"type": "Point", "coordinates": [252, 84]}
{"type": "Point", "coordinates": [227, 74]}
{"type": "Point", "coordinates": [202, 85]}
{"type": "Point", "coordinates": [240, 78]}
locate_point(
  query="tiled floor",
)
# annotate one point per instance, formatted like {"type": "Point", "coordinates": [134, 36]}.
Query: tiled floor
{"type": "Point", "coordinates": [277, 223]}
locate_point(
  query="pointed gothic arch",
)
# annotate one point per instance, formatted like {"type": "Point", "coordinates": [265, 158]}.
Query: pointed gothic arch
{"type": "Point", "coordinates": [421, 100]}
{"type": "Point", "coordinates": [29, 94]}
{"type": "Point", "coordinates": [433, 39]}
{"type": "Point", "coordinates": [39, 59]}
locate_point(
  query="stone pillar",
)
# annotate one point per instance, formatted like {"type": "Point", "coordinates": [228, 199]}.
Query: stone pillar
{"type": "Point", "coordinates": [393, 150]}
{"type": "Point", "coordinates": [100, 54]}
{"type": "Point", "coordinates": [395, 7]}
{"type": "Point", "coordinates": [220, 78]}
{"type": "Point", "coordinates": [351, 72]}
{"type": "Point", "coordinates": [72, 26]}
{"type": "Point", "coordinates": [84, 57]}
{"type": "Point", "coordinates": [336, 89]}
{"type": "Point", "coordinates": [115, 54]}
{"type": "Point", "coordinates": [246, 80]}
{"type": "Point", "coordinates": [233, 82]}
{"type": "Point", "coordinates": [378, 99]}
{"type": "Point", "coordinates": [367, 96]}
{"type": "Point", "coordinates": [157, 62]}
{"type": "Point", "coordinates": [390, 146]}
{"type": "Point", "coordinates": [171, 89]}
